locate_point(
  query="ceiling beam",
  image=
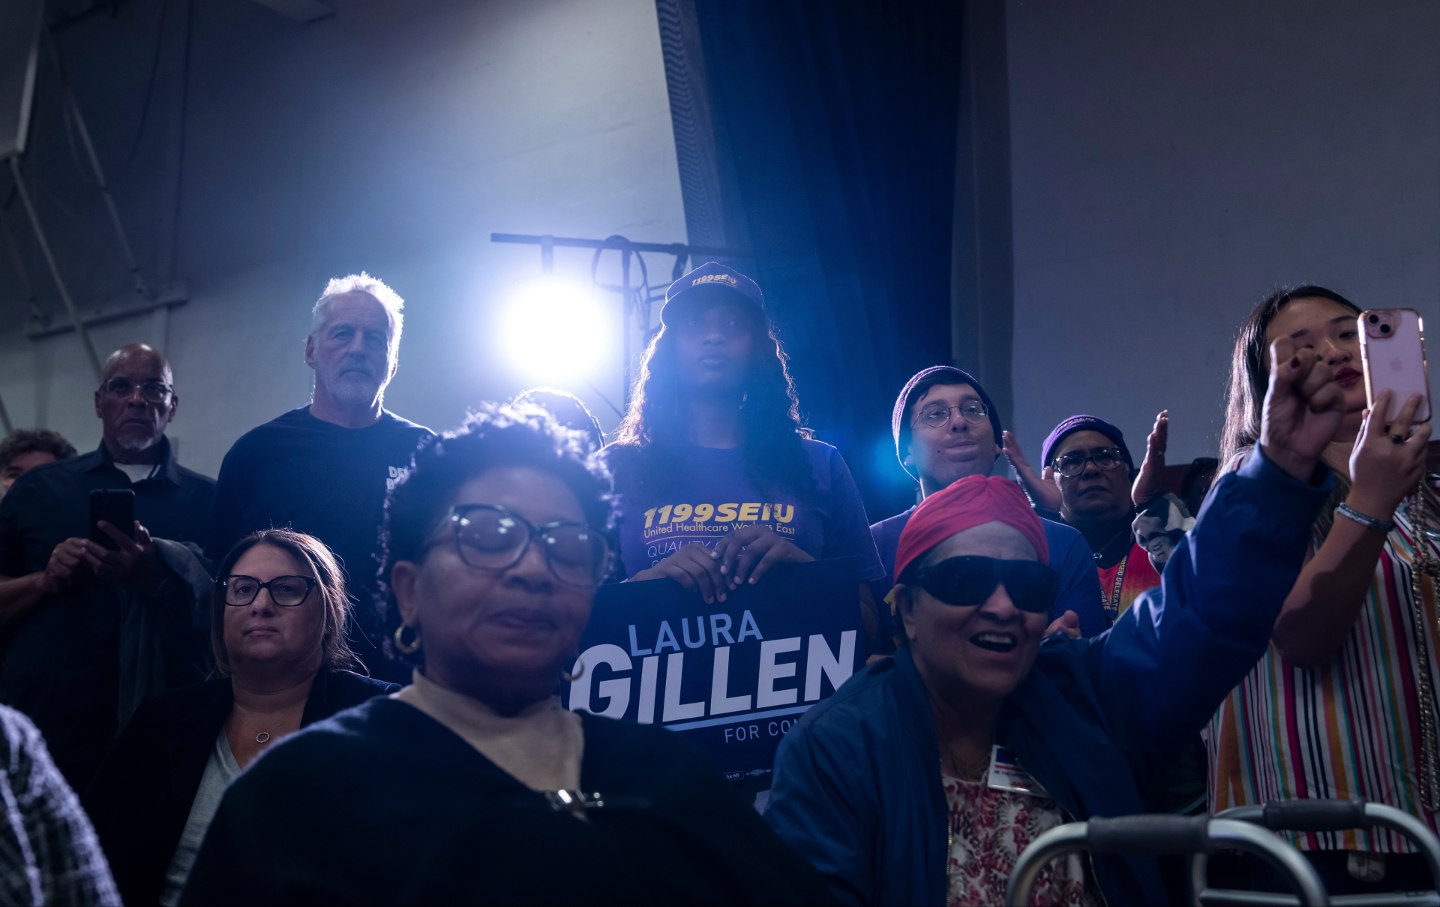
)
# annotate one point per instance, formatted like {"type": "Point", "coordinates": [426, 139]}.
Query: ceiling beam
{"type": "Point", "coordinates": [299, 10]}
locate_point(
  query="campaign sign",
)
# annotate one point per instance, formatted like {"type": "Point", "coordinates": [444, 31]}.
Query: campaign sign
{"type": "Point", "coordinates": [733, 676]}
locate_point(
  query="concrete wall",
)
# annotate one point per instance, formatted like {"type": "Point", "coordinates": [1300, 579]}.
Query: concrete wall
{"type": "Point", "coordinates": [1170, 163]}
{"type": "Point", "coordinates": [1174, 161]}
{"type": "Point", "coordinates": [393, 137]}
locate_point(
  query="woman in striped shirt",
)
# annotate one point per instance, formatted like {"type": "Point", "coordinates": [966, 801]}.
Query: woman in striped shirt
{"type": "Point", "coordinates": [1335, 707]}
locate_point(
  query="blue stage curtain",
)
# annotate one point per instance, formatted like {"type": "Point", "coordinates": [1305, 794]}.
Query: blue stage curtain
{"type": "Point", "coordinates": [822, 136]}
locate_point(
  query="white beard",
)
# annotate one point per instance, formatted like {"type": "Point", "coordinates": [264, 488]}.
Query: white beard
{"type": "Point", "coordinates": [136, 445]}
{"type": "Point", "coordinates": [354, 390]}
{"type": "Point", "coordinates": [350, 388]}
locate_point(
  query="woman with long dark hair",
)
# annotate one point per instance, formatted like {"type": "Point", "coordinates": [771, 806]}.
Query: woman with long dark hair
{"type": "Point", "coordinates": [716, 478]}
{"type": "Point", "coordinates": [1338, 706]}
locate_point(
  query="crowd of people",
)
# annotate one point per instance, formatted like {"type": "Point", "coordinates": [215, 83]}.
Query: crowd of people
{"type": "Point", "coordinates": [331, 675]}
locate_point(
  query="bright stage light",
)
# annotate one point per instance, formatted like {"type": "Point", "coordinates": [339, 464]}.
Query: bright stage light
{"type": "Point", "coordinates": [557, 330]}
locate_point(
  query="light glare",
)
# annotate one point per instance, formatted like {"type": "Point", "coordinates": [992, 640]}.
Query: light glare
{"type": "Point", "coordinates": [556, 330]}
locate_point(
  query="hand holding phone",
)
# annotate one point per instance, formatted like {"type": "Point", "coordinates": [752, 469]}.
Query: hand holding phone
{"type": "Point", "coordinates": [116, 507]}
{"type": "Point", "coordinates": [1392, 353]}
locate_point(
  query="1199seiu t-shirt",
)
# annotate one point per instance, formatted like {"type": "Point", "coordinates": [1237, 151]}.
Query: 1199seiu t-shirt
{"type": "Point", "coordinates": [712, 496]}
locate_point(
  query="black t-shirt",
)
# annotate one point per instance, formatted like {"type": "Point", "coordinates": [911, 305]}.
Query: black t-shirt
{"type": "Point", "coordinates": [313, 476]}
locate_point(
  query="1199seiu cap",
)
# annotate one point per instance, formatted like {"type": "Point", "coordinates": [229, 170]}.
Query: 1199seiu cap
{"type": "Point", "coordinates": [707, 282]}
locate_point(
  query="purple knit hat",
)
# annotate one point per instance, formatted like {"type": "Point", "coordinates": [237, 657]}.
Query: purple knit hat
{"type": "Point", "coordinates": [1084, 423]}
{"type": "Point", "coordinates": [930, 377]}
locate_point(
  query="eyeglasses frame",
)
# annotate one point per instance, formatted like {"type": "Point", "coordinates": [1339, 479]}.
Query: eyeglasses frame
{"type": "Point", "coordinates": [458, 512]}
{"type": "Point", "coordinates": [166, 390]}
{"type": "Point", "coordinates": [981, 416]}
{"type": "Point", "coordinates": [224, 584]}
{"type": "Point", "coordinates": [1087, 458]}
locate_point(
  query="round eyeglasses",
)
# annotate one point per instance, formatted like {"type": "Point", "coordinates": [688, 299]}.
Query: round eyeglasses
{"type": "Point", "coordinates": [490, 537]}
{"type": "Point", "coordinates": [939, 415]}
{"type": "Point", "coordinates": [285, 591]}
{"type": "Point", "coordinates": [150, 391]}
{"type": "Point", "coordinates": [1073, 463]}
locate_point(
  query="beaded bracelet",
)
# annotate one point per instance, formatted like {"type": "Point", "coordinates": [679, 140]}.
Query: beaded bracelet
{"type": "Point", "coordinates": [1369, 522]}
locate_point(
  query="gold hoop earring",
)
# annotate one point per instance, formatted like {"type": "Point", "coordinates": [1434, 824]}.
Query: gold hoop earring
{"type": "Point", "coordinates": [407, 648]}
{"type": "Point", "coordinates": [572, 676]}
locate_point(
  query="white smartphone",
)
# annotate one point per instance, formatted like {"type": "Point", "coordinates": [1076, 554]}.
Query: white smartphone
{"type": "Point", "coordinates": [1392, 353]}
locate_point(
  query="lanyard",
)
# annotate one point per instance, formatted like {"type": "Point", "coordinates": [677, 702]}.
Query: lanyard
{"type": "Point", "coordinates": [1112, 604]}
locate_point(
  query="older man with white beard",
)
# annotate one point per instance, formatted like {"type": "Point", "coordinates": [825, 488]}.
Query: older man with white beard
{"type": "Point", "coordinates": [324, 469]}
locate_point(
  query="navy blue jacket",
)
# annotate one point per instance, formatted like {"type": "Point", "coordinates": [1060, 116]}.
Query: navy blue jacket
{"type": "Point", "coordinates": [857, 783]}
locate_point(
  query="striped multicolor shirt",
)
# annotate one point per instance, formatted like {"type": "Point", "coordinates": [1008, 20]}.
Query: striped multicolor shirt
{"type": "Point", "coordinates": [1349, 729]}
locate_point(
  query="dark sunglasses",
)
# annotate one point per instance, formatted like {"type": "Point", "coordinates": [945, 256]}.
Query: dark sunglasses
{"type": "Point", "coordinates": [969, 581]}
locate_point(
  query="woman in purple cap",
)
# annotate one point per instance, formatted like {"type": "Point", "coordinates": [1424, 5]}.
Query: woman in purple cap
{"type": "Point", "coordinates": [716, 479]}
{"type": "Point", "coordinates": [1089, 466]}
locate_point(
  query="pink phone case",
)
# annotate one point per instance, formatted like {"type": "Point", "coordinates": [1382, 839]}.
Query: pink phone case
{"type": "Point", "coordinates": [1392, 350]}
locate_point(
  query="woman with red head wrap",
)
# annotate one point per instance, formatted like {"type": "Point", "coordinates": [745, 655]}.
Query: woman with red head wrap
{"type": "Point", "coordinates": [922, 779]}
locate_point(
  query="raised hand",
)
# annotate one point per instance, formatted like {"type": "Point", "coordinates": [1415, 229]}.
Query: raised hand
{"type": "Point", "coordinates": [1041, 487]}
{"type": "Point", "coordinates": [747, 554]}
{"type": "Point", "coordinates": [1388, 460]}
{"type": "Point", "coordinates": [1147, 485]}
{"type": "Point", "coordinates": [1302, 411]}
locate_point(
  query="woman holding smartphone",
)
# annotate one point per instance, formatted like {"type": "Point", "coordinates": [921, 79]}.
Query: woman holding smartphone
{"type": "Point", "coordinates": [1343, 703]}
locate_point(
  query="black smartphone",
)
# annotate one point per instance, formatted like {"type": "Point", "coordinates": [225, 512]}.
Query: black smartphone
{"type": "Point", "coordinates": [116, 507]}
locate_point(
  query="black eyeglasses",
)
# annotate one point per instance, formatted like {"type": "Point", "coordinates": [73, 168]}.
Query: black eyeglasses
{"type": "Point", "coordinates": [940, 416]}
{"type": "Point", "coordinates": [490, 537]}
{"type": "Point", "coordinates": [1105, 459]}
{"type": "Point", "coordinates": [285, 591]}
{"type": "Point", "coordinates": [150, 391]}
{"type": "Point", "coordinates": [968, 581]}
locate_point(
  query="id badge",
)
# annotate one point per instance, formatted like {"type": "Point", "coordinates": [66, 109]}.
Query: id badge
{"type": "Point", "coordinates": [1006, 774]}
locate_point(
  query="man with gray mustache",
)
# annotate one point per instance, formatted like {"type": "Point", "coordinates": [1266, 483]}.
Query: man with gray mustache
{"type": "Point", "coordinates": [324, 469]}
